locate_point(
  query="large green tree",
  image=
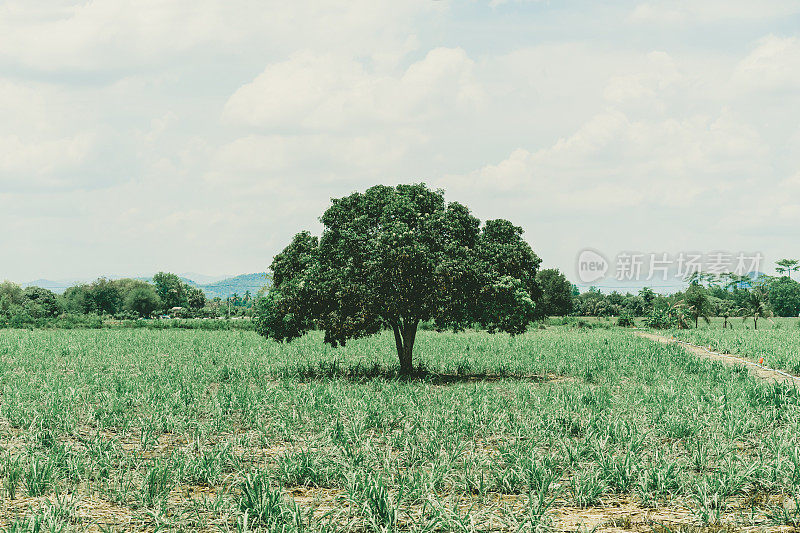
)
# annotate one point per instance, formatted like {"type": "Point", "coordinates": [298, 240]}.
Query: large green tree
{"type": "Point", "coordinates": [392, 257]}
{"type": "Point", "coordinates": [105, 296]}
{"type": "Point", "coordinates": [41, 303]}
{"type": "Point", "coordinates": [556, 292]}
{"type": "Point", "coordinates": [195, 297]}
{"type": "Point", "coordinates": [78, 299]}
{"type": "Point", "coordinates": [170, 289]}
{"type": "Point", "coordinates": [649, 297]}
{"type": "Point", "coordinates": [11, 295]}
{"type": "Point", "coordinates": [102, 296]}
{"type": "Point", "coordinates": [142, 300]}
{"type": "Point", "coordinates": [697, 303]}
{"type": "Point", "coordinates": [756, 305]}
{"type": "Point", "coordinates": [784, 296]}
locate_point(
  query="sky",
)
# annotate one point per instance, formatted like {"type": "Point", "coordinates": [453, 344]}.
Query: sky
{"type": "Point", "coordinates": [201, 135]}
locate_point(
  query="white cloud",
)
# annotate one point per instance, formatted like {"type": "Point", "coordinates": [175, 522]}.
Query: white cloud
{"type": "Point", "coordinates": [613, 161]}
{"type": "Point", "coordinates": [773, 65]}
{"type": "Point", "coordinates": [273, 155]}
{"type": "Point", "coordinates": [126, 34]}
{"type": "Point", "coordinates": [683, 12]}
{"type": "Point", "coordinates": [31, 160]}
{"type": "Point", "coordinates": [658, 75]}
{"type": "Point", "coordinates": [324, 92]}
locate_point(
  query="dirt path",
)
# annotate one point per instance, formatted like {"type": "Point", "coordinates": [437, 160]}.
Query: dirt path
{"type": "Point", "coordinates": [767, 374]}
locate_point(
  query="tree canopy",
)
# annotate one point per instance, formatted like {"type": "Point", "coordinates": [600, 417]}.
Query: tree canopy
{"type": "Point", "coordinates": [556, 292]}
{"type": "Point", "coordinates": [698, 304]}
{"type": "Point", "coordinates": [392, 257]}
{"type": "Point", "coordinates": [784, 296]}
{"type": "Point", "coordinates": [142, 301]}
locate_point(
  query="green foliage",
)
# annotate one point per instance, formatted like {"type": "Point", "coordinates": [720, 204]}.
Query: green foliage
{"type": "Point", "coordinates": [395, 257]}
{"type": "Point", "coordinates": [105, 296]}
{"type": "Point", "coordinates": [661, 319]}
{"type": "Point", "coordinates": [173, 292]}
{"type": "Point", "coordinates": [170, 289]}
{"type": "Point", "coordinates": [41, 303]}
{"type": "Point", "coordinates": [142, 301]}
{"type": "Point", "coordinates": [756, 305]}
{"type": "Point", "coordinates": [648, 297]}
{"type": "Point", "coordinates": [626, 320]}
{"type": "Point", "coordinates": [10, 295]}
{"type": "Point", "coordinates": [157, 483]}
{"type": "Point", "coordinates": [787, 266]}
{"type": "Point", "coordinates": [195, 297]}
{"type": "Point", "coordinates": [263, 505]}
{"type": "Point", "coordinates": [185, 430]}
{"type": "Point", "coordinates": [556, 293]}
{"type": "Point", "coordinates": [697, 303]}
{"type": "Point", "coordinates": [784, 296]}
{"type": "Point", "coordinates": [185, 323]}
{"type": "Point", "coordinates": [279, 322]}
{"type": "Point", "coordinates": [38, 476]}
{"type": "Point", "coordinates": [26, 308]}
{"type": "Point", "coordinates": [78, 300]}
{"type": "Point", "coordinates": [102, 297]}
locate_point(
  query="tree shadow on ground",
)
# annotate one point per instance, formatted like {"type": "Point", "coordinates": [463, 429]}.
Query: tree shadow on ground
{"type": "Point", "coordinates": [325, 371]}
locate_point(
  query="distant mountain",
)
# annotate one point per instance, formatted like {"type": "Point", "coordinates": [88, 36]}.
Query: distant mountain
{"type": "Point", "coordinates": [213, 286]}
{"type": "Point", "coordinates": [57, 287]}
{"type": "Point", "coordinates": [238, 285]}
{"type": "Point", "coordinates": [150, 280]}
{"type": "Point", "coordinates": [203, 279]}
{"type": "Point", "coordinates": [226, 286]}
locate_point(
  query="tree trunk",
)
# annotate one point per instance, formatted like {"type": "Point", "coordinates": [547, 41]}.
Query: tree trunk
{"type": "Point", "coordinates": [696, 321]}
{"type": "Point", "coordinates": [404, 335]}
{"type": "Point", "coordinates": [755, 322]}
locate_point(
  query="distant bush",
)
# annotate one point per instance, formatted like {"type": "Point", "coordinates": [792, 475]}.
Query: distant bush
{"type": "Point", "coordinates": [578, 322]}
{"type": "Point", "coordinates": [24, 320]}
{"type": "Point", "coordinates": [626, 320]}
{"type": "Point", "coordinates": [186, 323]}
{"type": "Point", "coordinates": [660, 319]}
{"type": "Point", "coordinates": [70, 321]}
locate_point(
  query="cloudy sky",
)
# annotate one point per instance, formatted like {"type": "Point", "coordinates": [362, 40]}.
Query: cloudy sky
{"type": "Point", "coordinates": [200, 135]}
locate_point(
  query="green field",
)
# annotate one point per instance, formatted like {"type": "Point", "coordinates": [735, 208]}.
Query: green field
{"type": "Point", "coordinates": [779, 344]}
{"type": "Point", "coordinates": [561, 428]}
{"type": "Point", "coordinates": [737, 323]}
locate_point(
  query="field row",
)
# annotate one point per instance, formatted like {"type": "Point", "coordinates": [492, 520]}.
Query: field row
{"type": "Point", "coordinates": [225, 431]}
{"type": "Point", "coordinates": [780, 347]}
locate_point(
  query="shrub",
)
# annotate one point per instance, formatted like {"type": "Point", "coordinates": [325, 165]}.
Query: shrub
{"type": "Point", "coordinates": [626, 320]}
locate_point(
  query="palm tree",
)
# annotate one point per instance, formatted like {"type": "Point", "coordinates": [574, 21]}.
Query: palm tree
{"type": "Point", "coordinates": [726, 310]}
{"type": "Point", "coordinates": [697, 304]}
{"type": "Point", "coordinates": [756, 305]}
{"type": "Point", "coordinates": [737, 281]}
{"type": "Point", "coordinates": [787, 266]}
{"type": "Point", "coordinates": [679, 315]}
{"type": "Point", "coordinates": [700, 278]}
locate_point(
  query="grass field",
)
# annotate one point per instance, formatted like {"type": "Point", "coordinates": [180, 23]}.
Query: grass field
{"type": "Point", "coordinates": [779, 345]}
{"type": "Point", "coordinates": [560, 428]}
{"type": "Point", "coordinates": [737, 323]}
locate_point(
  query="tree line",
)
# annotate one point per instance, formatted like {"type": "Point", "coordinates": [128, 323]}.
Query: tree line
{"type": "Point", "coordinates": [724, 295]}
{"type": "Point", "coordinates": [121, 299]}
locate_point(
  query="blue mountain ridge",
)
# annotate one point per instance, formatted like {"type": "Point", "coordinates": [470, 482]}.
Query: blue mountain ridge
{"type": "Point", "coordinates": [222, 288]}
